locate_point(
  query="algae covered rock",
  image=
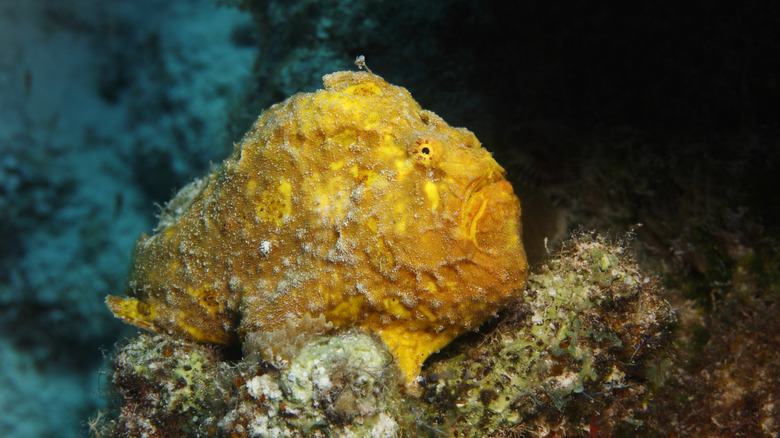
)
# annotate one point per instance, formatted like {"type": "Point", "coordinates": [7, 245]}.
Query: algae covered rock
{"type": "Point", "coordinates": [586, 320]}
{"type": "Point", "coordinates": [345, 384]}
{"type": "Point", "coordinates": [571, 355]}
{"type": "Point", "coordinates": [168, 388]}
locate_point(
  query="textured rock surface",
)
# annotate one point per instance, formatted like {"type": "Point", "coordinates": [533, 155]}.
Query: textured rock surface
{"type": "Point", "coordinates": [586, 322]}
{"type": "Point", "coordinates": [570, 355]}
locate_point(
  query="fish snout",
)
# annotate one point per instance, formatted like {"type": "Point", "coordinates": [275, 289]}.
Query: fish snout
{"type": "Point", "coordinates": [491, 217]}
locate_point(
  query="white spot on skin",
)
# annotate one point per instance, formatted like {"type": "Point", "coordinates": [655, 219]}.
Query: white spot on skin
{"type": "Point", "coordinates": [265, 247]}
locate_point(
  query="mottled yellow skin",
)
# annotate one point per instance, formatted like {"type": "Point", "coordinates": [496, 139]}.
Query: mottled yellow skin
{"type": "Point", "coordinates": [350, 202]}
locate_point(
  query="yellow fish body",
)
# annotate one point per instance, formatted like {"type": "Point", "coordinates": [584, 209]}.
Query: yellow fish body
{"type": "Point", "coordinates": [350, 202]}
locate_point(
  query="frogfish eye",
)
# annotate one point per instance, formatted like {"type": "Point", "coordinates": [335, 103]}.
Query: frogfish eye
{"type": "Point", "coordinates": [425, 150]}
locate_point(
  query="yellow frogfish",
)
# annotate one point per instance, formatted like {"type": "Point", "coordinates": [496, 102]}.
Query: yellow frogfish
{"type": "Point", "coordinates": [349, 203]}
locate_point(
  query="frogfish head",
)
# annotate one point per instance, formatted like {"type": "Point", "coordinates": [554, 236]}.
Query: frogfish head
{"type": "Point", "coordinates": [457, 225]}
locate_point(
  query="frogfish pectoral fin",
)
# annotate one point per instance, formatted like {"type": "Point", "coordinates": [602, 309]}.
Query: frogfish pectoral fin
{"type": "Point", "coordinates": [132, 311]}
{"type": "Point", "coordinates": [161, 318]}
{"type": "Point", "coordinates": [411, 347]}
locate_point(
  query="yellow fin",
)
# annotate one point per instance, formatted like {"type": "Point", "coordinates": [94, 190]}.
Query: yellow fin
{"type": "Point", "coordinates": [132, 311]}
{"type": "Point", "coordinates": [412, 347]}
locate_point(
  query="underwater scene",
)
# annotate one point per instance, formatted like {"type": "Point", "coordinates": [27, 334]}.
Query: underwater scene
{"type": "Point", "coordinates": [453, 218]}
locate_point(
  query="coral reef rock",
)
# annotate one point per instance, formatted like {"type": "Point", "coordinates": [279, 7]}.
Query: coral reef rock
{"type": "Point", "coordinates": [574, 354]}
{"type": "Point", "coordinates": [350, 202]}
{"type": "Point", "coordinates": [341, 384]}
{"type": "Point", "coordinates": [566, 356]}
